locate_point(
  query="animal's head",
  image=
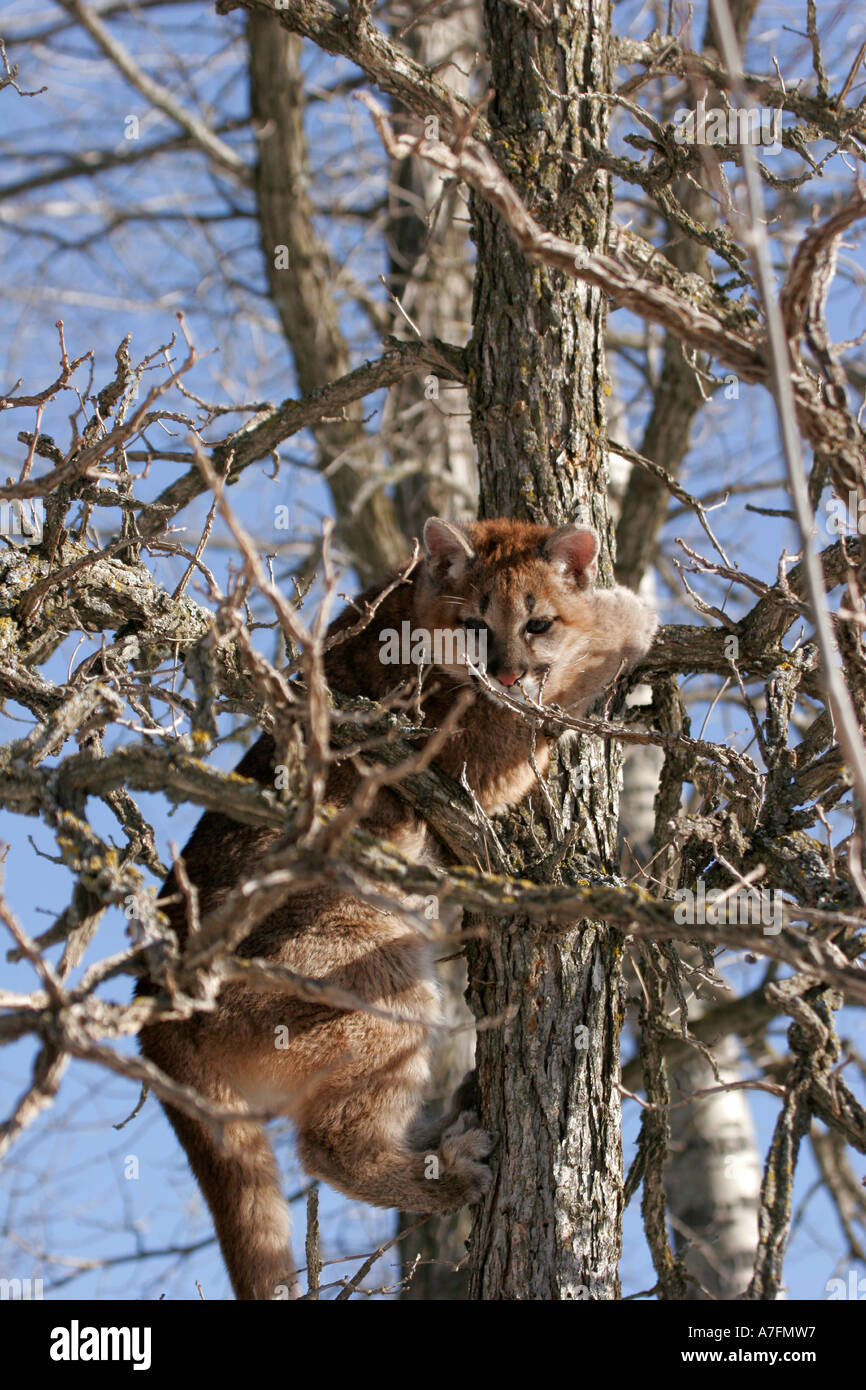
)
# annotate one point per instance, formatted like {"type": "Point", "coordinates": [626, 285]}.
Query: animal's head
{"type": "Point", "coordinates": [526, 595]}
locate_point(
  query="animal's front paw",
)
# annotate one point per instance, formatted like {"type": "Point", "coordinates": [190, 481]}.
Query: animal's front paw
{"type": "Point", "coordinates": [631, 623]}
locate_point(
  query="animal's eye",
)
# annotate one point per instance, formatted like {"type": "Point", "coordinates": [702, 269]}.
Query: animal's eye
{"type": "Point", "coordinates": [539, 624]}
{"type": "Point", "coordinates": [476, 624]}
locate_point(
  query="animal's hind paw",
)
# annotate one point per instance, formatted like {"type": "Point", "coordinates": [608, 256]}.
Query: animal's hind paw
{"type": "Point", "coordinates": [464, 1147]}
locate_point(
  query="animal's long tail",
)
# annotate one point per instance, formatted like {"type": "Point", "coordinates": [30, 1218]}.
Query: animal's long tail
{"type": "Point", "coordinates": [238, 1177]}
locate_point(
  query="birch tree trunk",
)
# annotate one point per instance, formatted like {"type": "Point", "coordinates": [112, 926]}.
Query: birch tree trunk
{"type": "Point", "coordinates": [713, 1173]}
{"type": "Point", "coordinates": [551, 1226]}
{"type": "Point", "coordinates": [713, 1178]}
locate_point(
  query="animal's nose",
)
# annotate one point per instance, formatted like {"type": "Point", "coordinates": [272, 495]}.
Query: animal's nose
{"type": "Point", "coordinates": [509, 678]}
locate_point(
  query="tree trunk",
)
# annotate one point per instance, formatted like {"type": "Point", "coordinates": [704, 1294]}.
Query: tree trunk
{"type": "Point", "coordinates": [300, 281]}
{"type": "Point", "coordinates": [431, 274]}
{"type": "Point", "coordinates": [548, 1070]}
{"type": "Point", "coordinates": [713, 1179]}
{"type": "Point", "coordinates": [713, 1175]}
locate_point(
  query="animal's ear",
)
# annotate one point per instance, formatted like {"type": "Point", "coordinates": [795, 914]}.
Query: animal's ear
{"type": "Point", "coordinates": [575, 550]}
{"type": "Point", "coordinates": [447, 550]}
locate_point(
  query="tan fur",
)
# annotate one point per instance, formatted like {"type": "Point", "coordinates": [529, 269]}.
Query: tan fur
{"type": "Point", "coordinates": [353, 1083]}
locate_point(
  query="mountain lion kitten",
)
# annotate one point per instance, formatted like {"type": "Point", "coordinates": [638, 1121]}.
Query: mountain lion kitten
{"type": "Point", "coordinates": [352, 1082]}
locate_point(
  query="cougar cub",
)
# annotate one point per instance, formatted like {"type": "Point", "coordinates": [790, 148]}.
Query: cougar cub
{"type": "Point", "coordinates": [353, 1082]}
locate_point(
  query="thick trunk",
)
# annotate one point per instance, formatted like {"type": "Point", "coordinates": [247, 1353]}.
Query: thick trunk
{"type": "Point", "coordinates": [548, 1070]}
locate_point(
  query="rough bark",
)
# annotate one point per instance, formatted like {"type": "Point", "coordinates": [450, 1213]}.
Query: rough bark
{"type": "Point", "coordinates": [550, 1228]}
